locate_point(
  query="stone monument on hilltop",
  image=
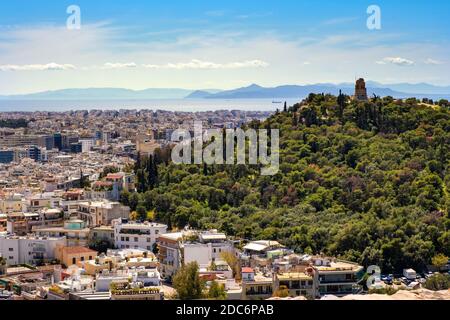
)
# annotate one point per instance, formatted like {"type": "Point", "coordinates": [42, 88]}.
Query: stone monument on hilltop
{"type": "Point", "coordinates": [361, 90]}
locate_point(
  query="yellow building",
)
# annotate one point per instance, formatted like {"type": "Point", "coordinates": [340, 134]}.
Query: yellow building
{"type": "Point", "coordinates": [297, 283]}
{"type": "Point", "coordinates": [146, 146]}
{"type": "Point", "coordinates": [11, 204]}
{"type": "Point", "coordinates": [69, 256]}
{"type": "Point", "coordinates": [96, 266]}
{"type": "Point", "coordinates": [256, 286]}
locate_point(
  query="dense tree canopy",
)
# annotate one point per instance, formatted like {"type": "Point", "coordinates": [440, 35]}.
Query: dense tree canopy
{"type": "Point", "coordinates": [365, 181]}
{"type": "Point", "coordinates": [13, 123]}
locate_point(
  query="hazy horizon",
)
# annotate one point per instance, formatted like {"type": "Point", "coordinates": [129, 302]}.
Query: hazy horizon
{"type": "Point", "coordinates": [222, 44]}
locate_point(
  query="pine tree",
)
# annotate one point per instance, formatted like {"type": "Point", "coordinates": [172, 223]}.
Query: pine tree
{"type": "Point", "coordinates": [294, 120]}
{"type": "Point", "coordinates": [82, 179]}
{"type": "Point", "coordinates": [137, 165]}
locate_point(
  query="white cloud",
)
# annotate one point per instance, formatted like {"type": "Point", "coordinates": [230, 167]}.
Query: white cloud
{"type": "Point", "coordinates": [199, 64]}
{"type": "Point", "coordinates": [432, 61]}
{"type": "Point", "coordinates": [397, 61]}
{"type": "Point", "coordinates": [228, 56]}
{"type": "Point", "coordinates": [37, 67]}
{"type": "Point", "coordinates": [110, 65]}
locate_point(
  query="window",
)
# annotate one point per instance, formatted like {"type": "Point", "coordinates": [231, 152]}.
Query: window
{"type": "Point", "coordinates": [11, 249]}
{"type": "Point", "coordinates": [149, 239]}
{"type": "Point", "coordinates": [74, 260]}
{"type": "Point", "coordinates": [90, 257]}
{"type": "Point", "coordinates": [156, 231]}
{"type": "Point", "coordinates": [127, 238]}
{"type": "Point", "coordinates": [82, 259]}
{"type": "Point", "coordinates": [214, 250]}
{"type": "Point", "coordinates": [136, 239]}
{"type": "Point", "coordinates": [11, 258]}
{"type": "Point", "coordinates": [122, 238]}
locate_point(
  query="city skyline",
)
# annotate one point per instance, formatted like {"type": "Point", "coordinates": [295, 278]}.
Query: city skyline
{"type": "Point", "coordinates": [220, 45]}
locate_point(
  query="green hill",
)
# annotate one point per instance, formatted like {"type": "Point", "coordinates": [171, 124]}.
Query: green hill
{"type": "Point", "coordinates": [366, 181]}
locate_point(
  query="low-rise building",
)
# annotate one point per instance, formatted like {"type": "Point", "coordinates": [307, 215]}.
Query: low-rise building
{"type": "Point", "coordinates": [31, 250]}
{"type": "Point", "coordinates": [75, 232]}
{"type": "Point", "coordinates": [298, 283]}
{"type": "Point", "coordinates": [169, 255]}
{"type": "Point", "coordinates": [337, 277]}
{"type": "Point", "coordinates": [256, 286]}
{"type": "Point", "coordinates": [100, 213]}
{"type": "Point", "coordinates": [137, 235]}
{"type": "Point", "coordinates": [207, 247]}
{"type": "Point", "coordinates": [102, 233]}
{"type": "Point", "coordinates": [120, 260]}
{"type": "Point", "coordinates": [12, 203]}
{"type": "Point", "coordinates": [69, 256]}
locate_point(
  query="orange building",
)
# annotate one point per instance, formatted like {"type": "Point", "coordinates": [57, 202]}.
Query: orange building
{"type": "Point", "coordinates": [69, 256]}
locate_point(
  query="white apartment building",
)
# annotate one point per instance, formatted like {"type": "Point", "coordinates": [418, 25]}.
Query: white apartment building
{"type": "Point", "coordinates": [29, 250]}
{"type": "Point", "coordinates": [208, 248]}
{"type": "Point", "coordinates": [184, 247]}
{"type": "Point", "coordinates": [147, 277]}
{"type": "Point", "coordinates": [87, 145]}
{"type": "Point", "coordinates": [133, 235]}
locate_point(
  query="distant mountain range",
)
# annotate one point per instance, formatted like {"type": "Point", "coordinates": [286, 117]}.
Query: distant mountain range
{"type": "Point", "coordinates": [400, 90]}
{"type": "Point", "coordinates": [294, 91]}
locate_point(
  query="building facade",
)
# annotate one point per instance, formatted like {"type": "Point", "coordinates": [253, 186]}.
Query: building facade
{"type": "Point", "coordinates": [137, 235]}
{"type": "Point", "coordinates": [29, 250]}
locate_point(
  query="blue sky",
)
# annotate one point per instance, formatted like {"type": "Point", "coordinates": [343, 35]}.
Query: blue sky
{"type": "Point", "coordinates": [220, 44]}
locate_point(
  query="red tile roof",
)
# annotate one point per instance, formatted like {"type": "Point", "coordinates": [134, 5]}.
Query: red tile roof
{"type": "Point", "coordinates": [247, 270]}
{"type": "Point", "coordinates": [114, 176]}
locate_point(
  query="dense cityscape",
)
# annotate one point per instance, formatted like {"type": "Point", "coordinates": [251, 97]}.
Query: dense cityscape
{"type": "Point", "coordinates": [69, 229]}
{"type": "Point", "coordinates": [224, 159]}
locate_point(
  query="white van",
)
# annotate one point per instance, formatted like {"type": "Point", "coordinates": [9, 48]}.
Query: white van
{"type": "Point", "coordinates": [409, 274]}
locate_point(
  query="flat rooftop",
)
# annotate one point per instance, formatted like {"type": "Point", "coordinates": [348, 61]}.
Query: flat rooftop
{"type": "Point", "coordinates": [294, 276]}
{"type": "Point", "coordinates": [339, 266]}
